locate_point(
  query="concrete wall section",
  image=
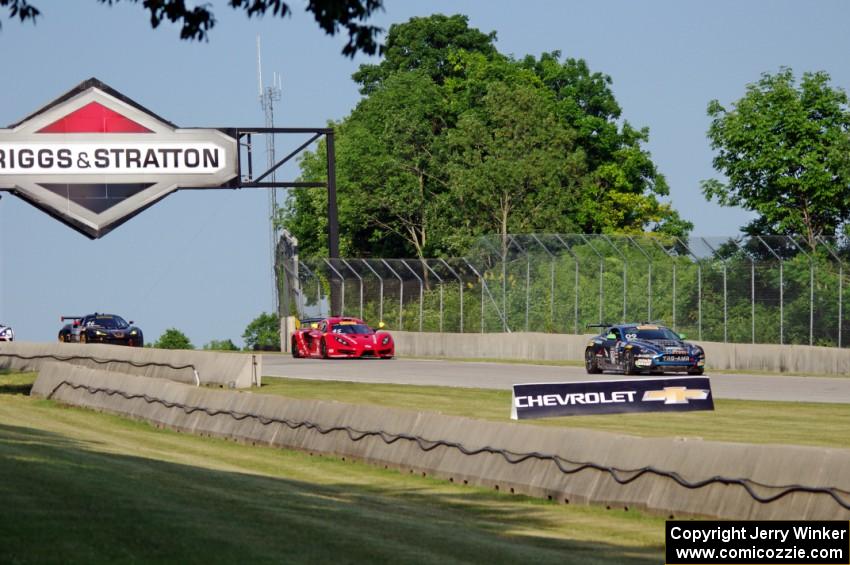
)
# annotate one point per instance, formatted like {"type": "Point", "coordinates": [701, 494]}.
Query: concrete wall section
{"type": "Point", "coordinates": [236, 370]}
{"type": "Point", "coordinates": [541, 346]}
{"type": "Point", "coordinates": [584, 454]}
{"type": "Point", "coordinates": [567, 347]}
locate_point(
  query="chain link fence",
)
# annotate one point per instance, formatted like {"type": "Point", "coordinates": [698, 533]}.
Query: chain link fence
{"type": "Point", "coordinates": [768, 289]}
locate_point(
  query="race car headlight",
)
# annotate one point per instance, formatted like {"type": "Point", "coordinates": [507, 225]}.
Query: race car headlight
{"type": "Point", "coordinates": [98, 332]}
{"type": "Point", "coordinates": [386, 340]}
{"type": "Point", "coordinates": [341, 340]}
{"type": "Point", "coordinates": [133, 332]}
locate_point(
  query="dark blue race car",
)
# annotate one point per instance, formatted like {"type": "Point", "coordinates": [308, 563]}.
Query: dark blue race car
{"type": "Point", "coordinates": [642, 348]}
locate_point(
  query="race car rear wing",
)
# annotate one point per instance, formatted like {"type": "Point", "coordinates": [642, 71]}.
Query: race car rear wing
{"type": "Point", "coordinates": [63, 318]}
{"type": "Point", "coordinates": [307, 322]}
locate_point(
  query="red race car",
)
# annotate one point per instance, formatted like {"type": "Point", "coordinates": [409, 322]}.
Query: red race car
{"type": "Point", "coordinates": [340, 338]}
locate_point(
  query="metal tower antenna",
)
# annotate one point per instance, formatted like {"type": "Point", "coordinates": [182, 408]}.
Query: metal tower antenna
{"type": "Point", "coordinates": [268, 95]}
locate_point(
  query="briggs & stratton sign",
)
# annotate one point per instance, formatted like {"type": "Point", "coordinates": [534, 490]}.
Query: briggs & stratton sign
{"type": "Point", "coordinates": [93, 158]}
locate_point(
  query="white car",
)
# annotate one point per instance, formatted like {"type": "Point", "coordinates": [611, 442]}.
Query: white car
{"type": "Point", "coordinates": [6, 333]}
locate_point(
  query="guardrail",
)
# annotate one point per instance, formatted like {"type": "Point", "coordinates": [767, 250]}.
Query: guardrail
{"type": "Point", "coordinates": [799, 359]}
{"type": "Point", "coordinates": [232, 370]}
{"type": "Point", "coordinates": [735, 481]}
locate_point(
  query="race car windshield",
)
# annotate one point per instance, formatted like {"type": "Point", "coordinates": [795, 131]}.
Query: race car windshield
{"type": "Point", "coordinates": [360, 329]}
{"type": "Point", "coordinates": [111, 322]}
{"type": "Point", "coordinates": [660, 333]}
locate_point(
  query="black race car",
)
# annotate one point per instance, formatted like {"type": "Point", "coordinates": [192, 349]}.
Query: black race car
{"type": "Point", "coordinates": [638, 348]}
{"type": "Point", "coordinates": [101, 328]}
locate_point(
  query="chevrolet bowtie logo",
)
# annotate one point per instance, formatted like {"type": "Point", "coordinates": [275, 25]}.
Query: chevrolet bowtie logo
{"type": "Point", "coordinates": [676, 395]}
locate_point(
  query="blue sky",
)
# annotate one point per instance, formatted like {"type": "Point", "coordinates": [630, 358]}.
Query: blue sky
{"type": "Point", "coordinates": [199, 260]}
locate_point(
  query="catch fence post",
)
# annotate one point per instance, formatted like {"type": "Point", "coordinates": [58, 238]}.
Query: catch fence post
{"type": "Point", "coordinates": [359, 278]}
{"type": "Point", "coordinates": [781, 291]}
{"type": "Point", "coordinates": [752, 289]}
{"type": "Point", "coordinates": [575, 302]}
{"type": "Point", "coordinates": [421, 291]}
{"type": "Point", "coordinates": [625, 273]}
{"type": "Point", "coordinates": [380, 289]}
{"type": "Point", "coordinates": [440, 282]}
{"type": "Point", "coordinates": [551, 281]}
{"type": "Point", "coordinates": [840, 284]}
{"type": "Point", "coordinates": [601, 274]}
{"type": "Point", "coordinates": [811, 288]}
{"type": "Point", "coordinates": [649, 280]}
{"type": "Point", "coordinates": [342, 291]}
{"type": "Point", "coordinates": [460, 285]}
{"type": "Point", "coordinates": [400, 294]}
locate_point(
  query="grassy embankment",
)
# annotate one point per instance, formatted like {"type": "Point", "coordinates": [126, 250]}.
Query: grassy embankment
{"type": "Point", "coordinates": [80, 486]}
{"type": "Point", "coordinates": [797, 423]}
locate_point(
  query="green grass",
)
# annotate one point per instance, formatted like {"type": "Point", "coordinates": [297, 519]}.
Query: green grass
{"type": "Point", "coordinates": [82, 487]}
{"type": "Point", "coordinates": [797, 423]}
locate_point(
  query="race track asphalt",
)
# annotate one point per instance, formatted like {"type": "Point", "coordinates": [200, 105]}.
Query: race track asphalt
{"type": "Point", "coordinates": [504, 375]}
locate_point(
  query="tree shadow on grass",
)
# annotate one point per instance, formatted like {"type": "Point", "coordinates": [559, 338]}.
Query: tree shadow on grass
{"type": "Point", "coordinates": [16, 383]}
{"type": "Point", "coordinates": [66, 501]}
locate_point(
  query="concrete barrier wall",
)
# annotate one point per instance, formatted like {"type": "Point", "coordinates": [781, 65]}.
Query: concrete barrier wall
{"type": "Point", "coordinates": [567, 347]}
{"type": "Point", "coordinates": [238, 370]}
{"type": "Point", "coordinates": [693, 461]}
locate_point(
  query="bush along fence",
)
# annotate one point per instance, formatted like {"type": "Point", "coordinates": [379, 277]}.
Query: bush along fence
{"type": "Point", "coordinates": [762, 289]}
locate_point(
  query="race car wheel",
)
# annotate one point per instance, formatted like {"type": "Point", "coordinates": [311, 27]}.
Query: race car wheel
{"type": "Point", "coordinates": [295, 353]}
{"type": "Point", "coordinates": [697, 372]}
{"type": "Point", "coordinates": [629, 364]}
{"type": "Point", "coordinates": [323, 349]}
{"type": "Point", "coordinates": [590, 362]}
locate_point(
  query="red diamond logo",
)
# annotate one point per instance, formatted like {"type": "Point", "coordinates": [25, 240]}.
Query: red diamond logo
{"type": "Point", "coordinates": [94, 118]}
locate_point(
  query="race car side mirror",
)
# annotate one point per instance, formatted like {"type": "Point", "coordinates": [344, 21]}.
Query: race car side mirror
{"type": "Point", "coordinates": [131, 322]}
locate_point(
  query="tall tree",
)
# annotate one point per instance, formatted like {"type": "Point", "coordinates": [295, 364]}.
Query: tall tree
{"type": "Point", "coordinates": [387, 175]}
{"type": "Point", "coordinates": [512, 161]}
{"type": "Point", "coordinates": [196, 21]}
{"type": "Point", "coordinates": [785, 151]}
{"type": "Point", "coordinates": [427, 45]}
{"type": "Point", "coordinates": [453, 142]}
{"type": "Point", "coordinates": [622, 188]}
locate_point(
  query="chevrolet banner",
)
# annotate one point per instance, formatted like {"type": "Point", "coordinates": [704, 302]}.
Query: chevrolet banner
{"type": "Point", "coordinates": [674, 394]}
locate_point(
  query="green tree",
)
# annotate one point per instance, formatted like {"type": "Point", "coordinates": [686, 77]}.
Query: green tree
{"type": "Point", "coordinates": [263, 332]}
{"type": "Point", "coordinates": [785, 151]}
{"type": "Point", "coordinates": [454, 140]}
{"type": "Point", "coordinates": [173, 338]}
{"type": "Point", "coordinates": [388, 174]}
{"type": "Point", "coordinates": [427, 45]}
{"type": "Point", "coordinates": [221, 345]}
{"type": "Point", "coordinates": [197, 20]}
{"type": "Point", "coordinates": [512, 162]}
{"type": "Point", "coordinates": [621, 189]}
